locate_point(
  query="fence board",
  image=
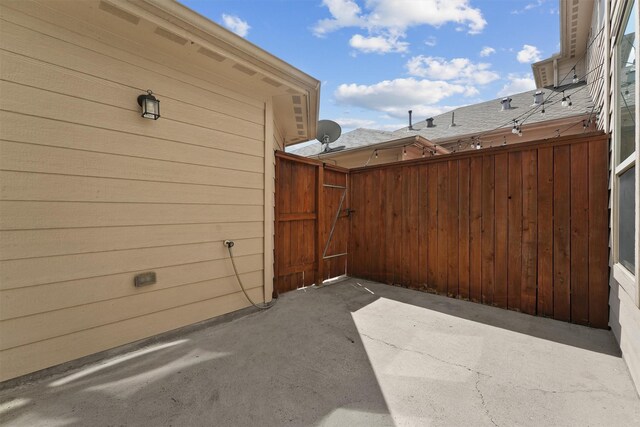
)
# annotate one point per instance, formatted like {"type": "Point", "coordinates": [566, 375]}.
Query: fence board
{"type": "Point", "coordinates": [579, 234]}
{"type": "Point", "coordinates": [452, 231]}
{"type": "Point", "coordinates": [561, 231]}
{"type": "Point", "coordinates": [463, 229]}
{"type": "Point", "coordinates": [423, 227]}
{"type": "Point", "coordinates": [443, 244]}
{"type": "Point", "coordinates": [545, 232]}
{"type": "Point", "coordinates": [475, 231]}
{"type": "Point", "coordinates": [528, 286]}
{"type": "Point", "coordinates": [598, 235]}
{"type": "Point", "coordinates": [488, 229]}
{"type": "Point", "coordinates": [432, 226]}
{"type": "Point", "coordinates": [514, 269]}
{"type": "Point", "coordinates": [501, 224]}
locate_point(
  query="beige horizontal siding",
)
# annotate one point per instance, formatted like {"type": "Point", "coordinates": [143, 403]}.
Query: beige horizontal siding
{"type": "Point", "coordinates": [61, 322]}
{"type": "Point", "coordinates": [51, 187]}
{"type": "Point", "coordinates": [51, 132]}
{"type": "Point", "coordinates": [41, 243]}
{"type": "Point", "coordinates": [41, 75]}
{"type": "Point", "coordinates": [92, 194]}
{"type": "Point", "coordinates": [36, 215]}
{"type": "Point", "coordinates": [17, 156]}
{"type": "Point", "coordinates": [19, 99]}
{"type": "Point", "coordinates": [151, 67]}
{"type": "Point", "coordinates": [42, 354]}
{"type": "Point", "coordinates": [31, 300]}
{"type": "Point", "coordinates": [37, 271]}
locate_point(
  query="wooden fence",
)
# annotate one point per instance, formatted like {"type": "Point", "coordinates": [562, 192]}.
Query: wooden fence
{"type": "Point", "coordinates": [307, 208]}
{"type": "Point", "coordinates": [523, 227]}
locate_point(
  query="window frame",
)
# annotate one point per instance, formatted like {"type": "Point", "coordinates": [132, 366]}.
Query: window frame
{"type": "Point", "coordinates": [628, 280]}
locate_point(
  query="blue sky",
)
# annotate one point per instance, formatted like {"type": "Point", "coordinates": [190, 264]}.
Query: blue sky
{"type": "Point", "coordinates": [377, 59]}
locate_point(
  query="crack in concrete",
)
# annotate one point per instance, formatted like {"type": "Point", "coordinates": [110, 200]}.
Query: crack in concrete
{"type": "Point", "coordinates": [544, 391]}
{"type": "Point", "coordinates": [478, 373]}
{"type": "Point", "coordinates": [484, 404]}
{"type": "Point", "coordinates": [482, 374]}
{"type": "Point", "coordinates": [425, 354]}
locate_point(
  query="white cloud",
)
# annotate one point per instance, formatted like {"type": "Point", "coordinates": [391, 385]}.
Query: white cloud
{"type": "Point", "coordinates": [528, 7]}
{"type": "Point", "coordinates": [395, 97]}
{"type": "Point", "coordinates": [459, 70]}
{"type": "Point", "coordinates": [487, 50]}
{"type": "Point", "coordinates": [353, 123]}
{"type": "Point", "coordinates": [378, 44]}
{"type": "Point", "coordinates": [431, 41]}
{"type": "Point", "coordinates": [517, 83]}
{"type": "Point", "coordinates": [345, 13]}
{"type": "Point", "coordinates": [528, 54]}
{"type": "Point", "coordinates": [399, 14]}
{"type": "Point", "coordinates": [236, 24]}
{"type": "Point", "coordinates": [396, 16]}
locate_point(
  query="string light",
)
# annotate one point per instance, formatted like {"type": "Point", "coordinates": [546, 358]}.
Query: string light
{"type": "Point", "coordinates": [517, 125]}
{"type": "Point", "coordinates": [404, 150]}
{"type": "Point", "coordinates": [505, 141]}
{"type": "Point", "coordinates": [423, 152]}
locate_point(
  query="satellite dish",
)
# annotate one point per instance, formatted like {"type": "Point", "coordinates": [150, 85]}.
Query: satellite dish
{"type": "Point", "coordinates": [328, 132]}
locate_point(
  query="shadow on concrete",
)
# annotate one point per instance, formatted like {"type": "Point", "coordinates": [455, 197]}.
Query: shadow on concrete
{"type": "Point", "coordinates": [300, 363]}
{"type": "Point", "coordinates": [598, 340]}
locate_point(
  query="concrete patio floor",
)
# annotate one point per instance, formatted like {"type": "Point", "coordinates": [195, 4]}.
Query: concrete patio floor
{"type": "Point", "coordinates": [351, 353]}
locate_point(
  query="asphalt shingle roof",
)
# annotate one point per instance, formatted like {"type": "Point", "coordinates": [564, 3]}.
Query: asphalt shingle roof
{"type": "Point", "coordinates": [487, 116]}
{"type": "Point", "coordinates": [472, 119]}
{"type": "Point", "coordinates": [356, 138]}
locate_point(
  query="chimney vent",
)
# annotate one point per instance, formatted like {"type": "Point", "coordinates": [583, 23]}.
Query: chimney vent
{"type": "Point", "coordinates": [506, 103]}
{"type": "Point", "coordinates": [537, 97]}
{"type": "Point", "coordinates": [410, 124]}
{"type": "Point", "coordinates": [430, 122]}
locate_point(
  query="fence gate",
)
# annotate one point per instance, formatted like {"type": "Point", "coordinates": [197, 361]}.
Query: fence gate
{"type": "Point", "coordinates": [311, 222]}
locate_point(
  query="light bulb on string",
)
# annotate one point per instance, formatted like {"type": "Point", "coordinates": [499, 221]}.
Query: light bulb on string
{"type": "Point", "coordinates": [564, 100]}
{"type": "Point", "coordinates": [575, 76]}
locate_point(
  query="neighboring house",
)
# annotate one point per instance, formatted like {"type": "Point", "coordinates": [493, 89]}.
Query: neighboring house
{"type": "Point", "coordinates": [600, 38]}
{"type": "Point", "coordinates": [486, 124]}
{"type": "Point", "coordinates": [93, 194]}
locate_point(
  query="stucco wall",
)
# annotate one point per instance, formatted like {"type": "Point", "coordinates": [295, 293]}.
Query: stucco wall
{"type": "Point", "coordinates": [93, 194]}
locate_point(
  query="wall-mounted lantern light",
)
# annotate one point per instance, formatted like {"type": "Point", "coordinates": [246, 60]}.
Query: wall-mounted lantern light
{"type": "Point", "coordinates": [150, 106]}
